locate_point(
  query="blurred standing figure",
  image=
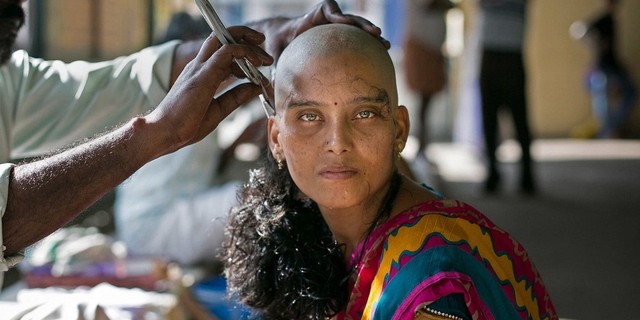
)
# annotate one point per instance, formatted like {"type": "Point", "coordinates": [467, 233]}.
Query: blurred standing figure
{"type": "Point", "coordinates": [503, 83]}
{"type": "Point", "coordinates": [612, 92]}
{"type": "Point", "coordinates": [183, 26]}
{"type": "Point", "coordinates": [424, 63]}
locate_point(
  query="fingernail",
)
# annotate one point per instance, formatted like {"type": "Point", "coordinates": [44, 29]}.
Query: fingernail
{"type": "Point", "coordinates": [267, 57]}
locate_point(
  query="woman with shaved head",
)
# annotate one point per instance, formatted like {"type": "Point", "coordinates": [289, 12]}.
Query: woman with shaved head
{"type": "Point", "coordinates": [328, 228]}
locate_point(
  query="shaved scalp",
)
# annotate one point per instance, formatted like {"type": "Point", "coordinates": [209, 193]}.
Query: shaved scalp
{"type": "Point", "coordinates": [333, 40]}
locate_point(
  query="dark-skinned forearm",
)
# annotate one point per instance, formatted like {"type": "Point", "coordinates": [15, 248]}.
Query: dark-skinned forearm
{"type": "Point", "coordinates": [46, 194]}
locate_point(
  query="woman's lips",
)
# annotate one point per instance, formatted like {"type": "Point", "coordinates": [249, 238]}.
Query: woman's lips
{"type": "Point", "coordinates": [338, 172]}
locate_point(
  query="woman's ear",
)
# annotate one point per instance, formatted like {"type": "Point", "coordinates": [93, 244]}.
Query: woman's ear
{"type": "Point", "coordinates": [402, 127]}
{"type": "Point", "coordinates": [272, 136]}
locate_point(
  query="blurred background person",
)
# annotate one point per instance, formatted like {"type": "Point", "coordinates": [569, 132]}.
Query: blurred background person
{"type": "Point", "coordinates": [423, 61]}
{"type": "Point", "coordinates": [503, 84]}
{"type": "Point", "coordinates": [184, 26]}
{"type": "Point", "coordinates": [613, 94]}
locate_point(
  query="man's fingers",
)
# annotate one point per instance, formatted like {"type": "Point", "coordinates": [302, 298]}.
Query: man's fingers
{"type": "Point", "coordinates": [221, 107]}
{"type": "Point", "coordinates": [364, 24]}
{"type": "Point", "coordinates": [331, 7]}
{"type": "Point", "coordinates": [242, 34]}
{"type": "Point", "coordinates": [255, 54]}
{"type": "Point", "coordinates": [237, 96]}
{"type": "Point", "coordinates": [330, 12]}
{"type": "Point", "coordinates": [227, 53]}
{"type": "Point", "coordinates": [237, 72]}
{"type": "Point", "coordinates": [261, 58]}
{"type": "Point", "coordinates": [209, 46]}
{"type": "Point", "coordinates": [226, 103]}
{"type": "Point", "coordinates": [333, 14]}
{"type": "Point", "coordinates": [368, 26]}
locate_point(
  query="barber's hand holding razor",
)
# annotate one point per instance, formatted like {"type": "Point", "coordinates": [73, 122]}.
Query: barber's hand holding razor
{"type": "Point", "coordinates": [191, 111]}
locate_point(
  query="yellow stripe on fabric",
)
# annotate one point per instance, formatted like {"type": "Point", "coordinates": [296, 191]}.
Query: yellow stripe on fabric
{"type": "Point", "coordinates": [411, 238]}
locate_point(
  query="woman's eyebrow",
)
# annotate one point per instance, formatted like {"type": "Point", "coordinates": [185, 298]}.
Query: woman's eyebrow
{"type": "Point", "coordinates": [381, 98]}
{"type": "Point", "coordinates": [370, 100]}
{"type": "Point", "coordinates": [293, 103]}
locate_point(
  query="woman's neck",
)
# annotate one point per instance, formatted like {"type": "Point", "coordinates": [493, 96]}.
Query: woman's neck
{"type": "Point", "coordinates": [350, 225]}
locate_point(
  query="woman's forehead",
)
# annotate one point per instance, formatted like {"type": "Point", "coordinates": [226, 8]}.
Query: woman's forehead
{"type": "Point", "coordinates": [339, 72]}
{"type": "Point", "coordinates": [327, 90]}
{"type": "Point", "coordinates": [338, 60]}
{"type": "Point", "coordinates": [355, 93]}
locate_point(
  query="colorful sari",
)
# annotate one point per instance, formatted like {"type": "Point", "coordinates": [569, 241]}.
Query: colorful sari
{"type": "Point", "coordinates": [448, 256]}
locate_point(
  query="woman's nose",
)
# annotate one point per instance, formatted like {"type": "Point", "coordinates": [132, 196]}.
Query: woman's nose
{"type": "Point", "coordinates": [339, 136]}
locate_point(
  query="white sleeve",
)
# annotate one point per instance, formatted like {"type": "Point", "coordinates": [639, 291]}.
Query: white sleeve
{"type": "Point", "coordinates": [5, 262]}
{"type": "Point", "coordinates": [57, 103]}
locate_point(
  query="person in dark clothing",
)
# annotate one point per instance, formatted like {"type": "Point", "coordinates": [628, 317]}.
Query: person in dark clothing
{"type": "Point", "coordinates": [503, 83]}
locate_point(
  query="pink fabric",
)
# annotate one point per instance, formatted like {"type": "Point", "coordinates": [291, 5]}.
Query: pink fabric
{"type": "Point", "coordinates": [370, 252]}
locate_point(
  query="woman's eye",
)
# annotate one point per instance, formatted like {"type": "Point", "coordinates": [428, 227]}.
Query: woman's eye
{"type": "Point", "coordinates": [364, 114]}
{"type": "Point", "coordinates": [309, 117]}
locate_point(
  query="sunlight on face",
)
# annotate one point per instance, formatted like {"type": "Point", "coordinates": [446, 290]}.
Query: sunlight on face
{"type": "Point", "coordinates": [336, 129]}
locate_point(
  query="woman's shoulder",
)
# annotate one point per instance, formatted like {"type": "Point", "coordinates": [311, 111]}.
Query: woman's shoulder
{"type": "Point", "coordinates": [418, 200]}
{"type": "Point", "coordinates": [449, 242]}
{"type": "Point", "coordinates": [440, 208]}
{"type": "Point", "coordinates": [448, 222]}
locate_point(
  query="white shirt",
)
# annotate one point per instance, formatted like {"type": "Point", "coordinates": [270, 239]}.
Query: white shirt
{"type": "Point", "coordinates": [45, 105]}
{"type": "Point", "coordinates": [176, 206]}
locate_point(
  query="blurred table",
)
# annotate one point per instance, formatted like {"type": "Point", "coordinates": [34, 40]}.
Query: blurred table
{"type": "Point", "coordinates": [102, 302]}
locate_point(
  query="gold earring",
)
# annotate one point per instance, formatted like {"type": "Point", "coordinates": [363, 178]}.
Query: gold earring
{"type": "Point", "coordinates": [279, 162]}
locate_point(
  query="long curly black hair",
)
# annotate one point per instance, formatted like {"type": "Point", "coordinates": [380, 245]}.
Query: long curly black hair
{"type": "Point", "coordinates": [280, 257]}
